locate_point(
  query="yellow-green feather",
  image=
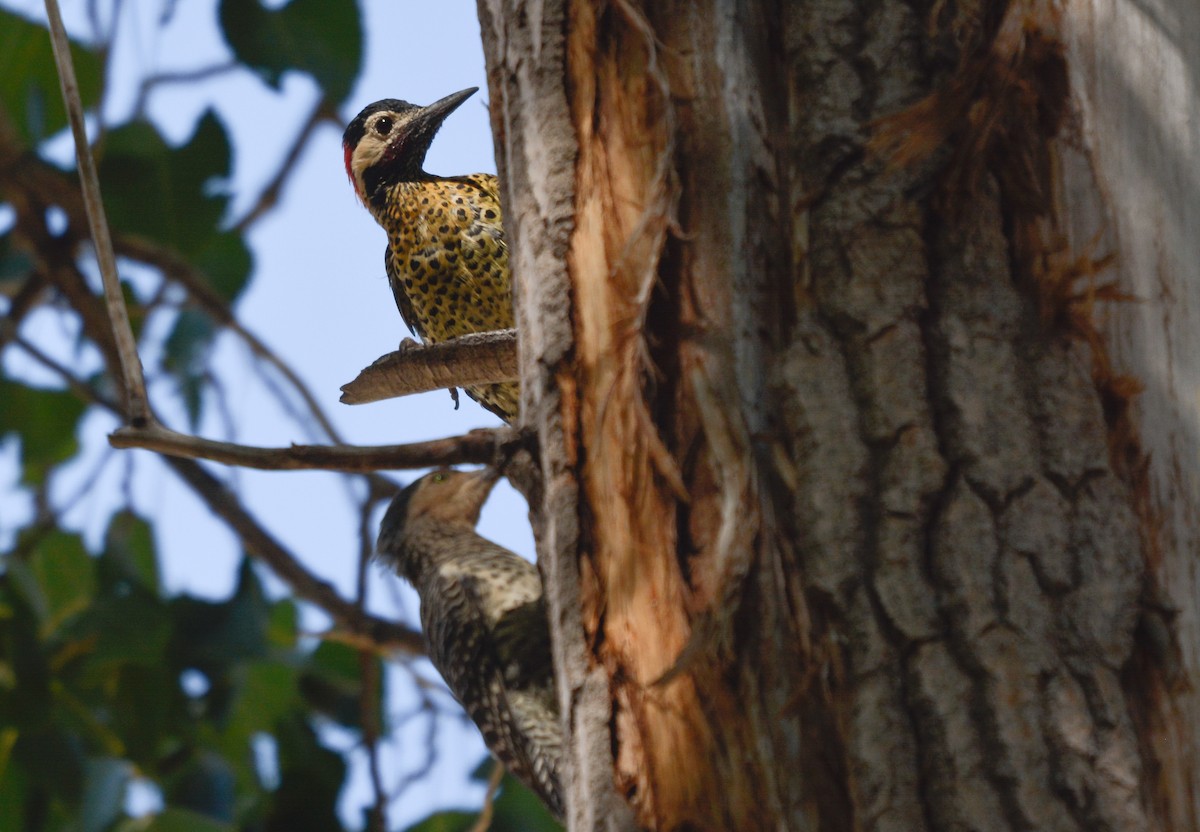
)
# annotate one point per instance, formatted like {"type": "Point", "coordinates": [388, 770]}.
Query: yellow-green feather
{"type": "Point", "coordinates": [447, 262]}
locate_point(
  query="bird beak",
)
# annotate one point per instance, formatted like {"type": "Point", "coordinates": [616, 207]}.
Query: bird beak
{"type": "Point", "coordinates": [485, 480]}
{"type": "Point", "coordinates": [476, 488]}
{"type": "Point", "coordinates": [431, 117]}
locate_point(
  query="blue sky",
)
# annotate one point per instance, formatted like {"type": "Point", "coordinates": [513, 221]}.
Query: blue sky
{"type": "Point", "coordinates": [318, 297]}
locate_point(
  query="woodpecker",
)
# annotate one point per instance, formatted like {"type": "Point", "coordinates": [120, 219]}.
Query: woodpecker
{"type": "Point", "coordinates": [484, 619]}
{"type": "Point", "coordinates": [446, 258]}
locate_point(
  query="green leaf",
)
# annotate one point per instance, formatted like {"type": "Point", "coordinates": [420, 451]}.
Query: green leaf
{"type": "Point", "coordinates": [265, 696]}
{"type": "Point", "coordinates": [227, 262]}
{"type": "Point", "coordinates": [45, 420]}
{"type": "Point", "coordinates": [29, 88]}
{"type": "Point", "coordinates": [104, 783]}
{"type": "Point", "coordinates": [321, 37]}
{"type": "Point", "coordinates": [183, 820]}
{"type": "Point", "coordinates": [310, 780]}
{"type": "Point", "coordinates": [332, 683]}
{"type": "Point", "coordinates": [65, 579]}
{"type": "Point", "coordinates": [335, 660]}
{"type": "Point", "coordinates": [174, 196]}
{"type": "Point", "coordinates": [516, 808]}
{"type": "Point", "coordinates": [449, 821]}
{"type": "Point", "coordinates": [129, 545]}
{"type": "Point", "coordinates": [54, 759]}
{"type": "Point", "coordinates": [14, 265]}
{"type": "Point", "coordinates": [285, 617]}
{"type": "Point", "coordinates": [148, 712]}
{"type": "Point", "coordinates": [205, 786]}
{"type": "Point", "coordinates": [24, 684]}
{"type": "Point", "coordinates": [14, 788]}
{"type": "Point", "coordinates": [161, 192]}
{"type": "Point", "coordinates": [186, 355]}
{"type": "Point", "coordinates": [129, 626]}
{"type": "Point", "coordinates": [216, 635]}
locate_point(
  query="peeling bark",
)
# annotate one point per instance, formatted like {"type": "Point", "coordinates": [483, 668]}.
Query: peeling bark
{"type": "Point", "coordinates": [841, 522]}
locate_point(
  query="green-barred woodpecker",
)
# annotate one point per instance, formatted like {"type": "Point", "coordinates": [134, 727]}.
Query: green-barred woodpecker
{"type": "Point", "coordinates": [447, 260]}
{"type": "Point", "coordinates": [484, 619]}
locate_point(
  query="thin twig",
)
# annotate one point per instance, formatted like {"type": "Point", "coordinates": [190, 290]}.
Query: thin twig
{"type": "Point", "coordinates": [82, 390]}
{"type": "Point", "coordinates": [270, 193]}
{"type": "Point", "coordinates": [485, 814]}
{"type": "Point", "coordinates": [107, 330]}
{"type": "Point", "coordinates": [432, 712]}
{"type": "Point", "coordinates": [362, 629]}
{"type": "Point", "coordinates": [21, 303]}
{"type": "Point", "coordinates": [137, 405]}
{"type": "Point", "coordinates": [87, 487]}
{"type": "Point", "coordinates": [479, 447]}
{"type": "Point", "coordinates": [369, 710]}
{"type": "Point", "coordinates": [479, 358]}
{"type": "Point", "coordinates": [184, 76]}
{"type": "Point", "coordinates": [42, 185]}
{"type": "Point", "coordinates": [369, 704]}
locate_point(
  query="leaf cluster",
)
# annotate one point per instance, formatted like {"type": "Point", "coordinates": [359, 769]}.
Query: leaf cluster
{"type": "Point", "coordinates": [106, 680]}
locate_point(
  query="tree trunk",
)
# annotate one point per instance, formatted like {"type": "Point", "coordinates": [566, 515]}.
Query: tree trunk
{"type": "Point", "coordinates": [1136, 83]}
{"type": "Point", "coordinates": [845, 520]}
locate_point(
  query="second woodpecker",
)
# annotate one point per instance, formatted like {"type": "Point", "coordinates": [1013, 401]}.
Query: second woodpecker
{"type": "Point", "coordinates": [446, 259]}
{"type": "Point", "coordinates": [484, 617]}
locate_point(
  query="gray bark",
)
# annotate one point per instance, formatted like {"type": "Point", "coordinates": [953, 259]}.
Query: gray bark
{"type": "Point", "coordinates": [842, 523]}
{"type": "Point", "coordinates": [1132, 182]}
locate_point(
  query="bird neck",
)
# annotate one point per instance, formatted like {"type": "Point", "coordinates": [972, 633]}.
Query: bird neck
{"type": "Point", "coordinates": [379, 181]}
{"type": "Point", "coordinates": [430, 543]}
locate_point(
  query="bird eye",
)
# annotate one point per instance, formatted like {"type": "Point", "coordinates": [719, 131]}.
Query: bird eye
{"type": "Point", "coordinates": [383, 126]}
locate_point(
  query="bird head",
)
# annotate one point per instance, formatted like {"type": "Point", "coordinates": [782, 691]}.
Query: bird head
{"type": "Point", "coordinates": [387, 142]}
{"type": "Point", "coordinates": [447, 498]}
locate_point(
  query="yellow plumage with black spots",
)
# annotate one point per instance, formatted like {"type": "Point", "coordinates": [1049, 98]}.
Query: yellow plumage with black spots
{"type": "Point", "coordinates": [446, 259]}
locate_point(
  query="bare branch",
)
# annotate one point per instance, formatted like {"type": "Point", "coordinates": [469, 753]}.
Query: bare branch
{"type": "Point", "coordinates": [479, 358]}
{"type": "Point", "coordinates": [267, 200]}
{"type": "Point", "coordinates": [478, 447]}
{"type": "Point", "coordinates": [370, 703]}
{"type": "Point", "coordinates": [363, 630]}
{"type": "Point", "coordinates": [185, 76]}
{"type": "Point", "coordinates": [35, 185]}
{"type": "Point", "coordinates": [138, 408]}
{"type": "Point", "coordinates": [62, 273]}
{"type": "Point", "coordinates": [81, 390]}
{"type": "Point", "coordinates": [428, 708]}
{"type": "Point", "coordinates": [112, 335]}
{"type": "Point", "coordinates": [369, 707]}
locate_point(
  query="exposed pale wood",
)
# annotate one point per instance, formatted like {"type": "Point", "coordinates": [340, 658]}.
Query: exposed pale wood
{"type": "Point", "coordinates": [525, 46]}
{"type": "Point", "coordinates": [479, 358]}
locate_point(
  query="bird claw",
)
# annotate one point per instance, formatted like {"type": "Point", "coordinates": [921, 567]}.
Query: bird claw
{"type": "Point", "coordinates": [454, 395]}
{"type": "Point", "coordinates": [408, 344]}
